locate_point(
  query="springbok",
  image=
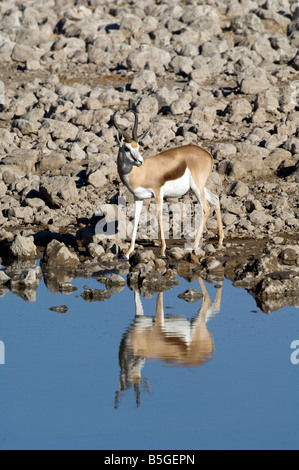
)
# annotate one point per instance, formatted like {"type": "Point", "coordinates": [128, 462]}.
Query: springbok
{"type": "Point", "coordinates": [171, 339]}
{"type": "Point", "coordinates": [171, 173]}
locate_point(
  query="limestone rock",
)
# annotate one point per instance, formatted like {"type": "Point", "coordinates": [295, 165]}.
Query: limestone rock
{"type": "Point", "coordinates": [59, 191]}
{"type": "Point", "coordinates": [57, 254]}
{"type": "Point", "coordinates": [23, 247]}
{"type": "Point", "coordinates": [4, 279]}
{"type": "Point", "coordinates": [150, 57]}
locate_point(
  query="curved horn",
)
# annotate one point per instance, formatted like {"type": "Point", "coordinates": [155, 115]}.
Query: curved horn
{"type": "Point", "coordinates": [137, 138]}
{"type": "Point", "coordinates": [135, 128]}
{"type": "Point", "coordinates": [114, 121]}
{"type": "Point", "coordinates": [125, 134]}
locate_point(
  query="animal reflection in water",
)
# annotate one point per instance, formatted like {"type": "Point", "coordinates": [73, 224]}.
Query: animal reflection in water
{"type": "Point", "coordinates": [171, 339]}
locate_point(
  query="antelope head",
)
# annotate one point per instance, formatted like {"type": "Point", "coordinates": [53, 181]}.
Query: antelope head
{"type": "Point", "coordinates": [129, 146]}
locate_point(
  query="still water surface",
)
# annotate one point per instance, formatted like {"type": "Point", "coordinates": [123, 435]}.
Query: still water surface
{"type": "Point", "coordinates": [99, 378]}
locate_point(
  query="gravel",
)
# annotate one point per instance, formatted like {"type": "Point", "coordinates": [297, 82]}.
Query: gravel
{"type": "Point", "coordinates": [219, 74]}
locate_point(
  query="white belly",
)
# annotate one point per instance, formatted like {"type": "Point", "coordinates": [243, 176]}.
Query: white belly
{"type": "Point", "coordinates": [173, 327]}
{"type": "Point", "coordinates": [173, 188]}
{"type": "Point", "coordinates": [179, 187]}
{"type": "Point", "coordinates": [143, 193]}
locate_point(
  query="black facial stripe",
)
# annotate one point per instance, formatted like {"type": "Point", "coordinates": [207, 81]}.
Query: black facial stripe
{"type": "Point", "coordinates": [131, 155]}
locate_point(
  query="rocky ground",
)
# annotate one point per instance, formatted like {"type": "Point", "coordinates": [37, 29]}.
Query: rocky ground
{"type": "Point", "coordinates": [220, 74]}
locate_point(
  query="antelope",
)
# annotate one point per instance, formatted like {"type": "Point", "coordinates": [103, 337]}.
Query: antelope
{"type": "Point", "coordinates": [171, 173]}
{"type": "Point", "coordinates": [171, 339]}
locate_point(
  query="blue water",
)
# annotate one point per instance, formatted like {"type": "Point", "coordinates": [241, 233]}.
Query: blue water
{"type": "Point", "coordinates": [61, 374]}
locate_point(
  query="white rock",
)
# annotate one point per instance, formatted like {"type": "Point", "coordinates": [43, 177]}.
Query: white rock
{"type": "Point", "coordinates": [239, 189]}
{"type": "Point", "coordinates": [144, 79]}
{"type": "Point", "coordinates": [180, 106]}
{"type": "Point", "coordinates": [166, 96]}
{"type": "Point", "coordinates": [59, 191]}
{"type": "Point", "coordinates": [23, 247]}
{"type": "Point", "coordinates": [3, 189]}
{"type": "Point", "coordinates": [95, 250]}
{"type": "Point", "coordinates": [150, 57]}
{"type": "Point", "coordinates": [58, 254]}
{"type": "Point", "coordinates": [148, 105]}
{"type": "Point", "coordinates": [78, 13]}
{"type": "Point", "coordinates": [23, 53]}
{"type": "Point", "coordinates": [204, 114]}
{"type": "Point", "coordinates": [130, 24]}
{"type": "Point", "coordinates": [97, 179]}
{"type": "Point", "coordinates": [4, 279]}
{"type": "Point", "coordinates": [76, 153]}
{"type": "Point", "coordinates": [253, 81]}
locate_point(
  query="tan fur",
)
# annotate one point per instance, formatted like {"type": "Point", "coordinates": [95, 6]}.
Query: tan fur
{"type": "Point", "coordinates": [164, 167]}
{"type": "Point", "coordinates": [171, 165]}
{"type": "Point", "coordinates": [153, 339]}
{"type": "Point", "coordinates": [154, 343]}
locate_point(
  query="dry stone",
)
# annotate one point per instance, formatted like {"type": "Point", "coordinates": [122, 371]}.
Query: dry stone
{"type": "Point", "coordinates": [22, 53]}
{"type": "Point", "coordinates": [97, 179]}
{"type": "Point", "coordinates": [4, 279]}
{"type": "Point", "coordinates": [144, 79]}
{"type": "Point", "coordinates": [57, 254]}
{"type": "Point", "coordinates": [165, 97]}
{"type": "Point", "coordinates": [253, 81]}
{"type": "Point", "coordinates": [239, 189]}
{"type": "Point", "coordinates": [59, 191]}
{"type": "Point", "coordinates": [23, 247]}
{"type": "Point", "coordinates": [3, 189]}
{"type": "Point", "coordinates": [26, 127]}
{"type": "Point", "coordinates": [60, 130]}
{"type": "Point", "coordinates": [54, 161]}
{"type": "Point", "coordinates": [259, 218]}
{"type": "Point", "coordinates": [221, 75]}
{"type": "Point", "coordinates": [149, 57]}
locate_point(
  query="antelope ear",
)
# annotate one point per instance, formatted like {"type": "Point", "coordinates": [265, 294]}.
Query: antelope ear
{"type": "Point", "coordinates": [142, 136]}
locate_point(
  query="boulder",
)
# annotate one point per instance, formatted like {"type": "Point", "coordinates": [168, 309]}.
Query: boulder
{"type": "Point", "coordinates": [149, 57]}
{"type": "Point", "coordinates": [57, 254]}
{"type": "Point", "coordinates": [54, 161]}
{"type": "Point", "coordinates": [59, 129]}
{"type": "Point", "coordinates": [253, 81]}
{"type": "Point", "coordinates": [239, 189]}
{"type": "Point", "coordinates": [22, 53]}
{"type": "Point", "coordinates": [165, 97]}
{"type": "Point", "coordinates": [97, 179]}
{"type": "Point", "coordinates": [59, 191]}
{"type": "Point", "coordinates": [4, 279]}
{"type": "Point", "coordinates": [26, 127]}
{"type": "Point", "coordinates": [144, 79]}
{"type": "Point", "coordinates": [23, 247]}
{"type": "Point", "coordinates": [3, 189]}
